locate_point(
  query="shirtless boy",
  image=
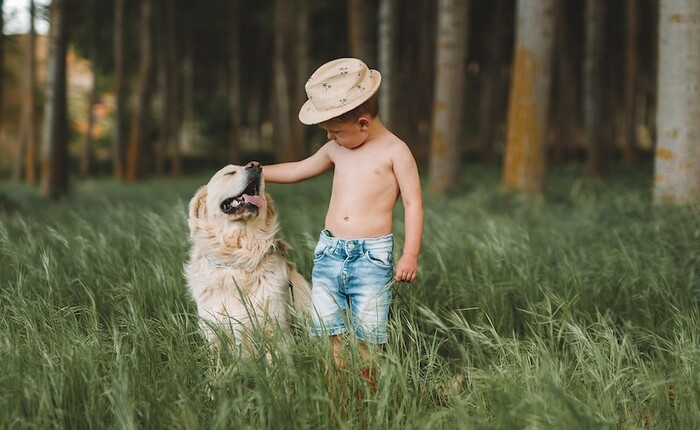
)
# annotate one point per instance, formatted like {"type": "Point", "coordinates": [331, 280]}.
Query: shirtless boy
{"type": "Point", "coordinates": [353, 260]}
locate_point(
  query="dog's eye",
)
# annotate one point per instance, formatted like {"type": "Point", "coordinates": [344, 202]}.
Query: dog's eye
{"type": "Point", "coordinates": [231, 173]}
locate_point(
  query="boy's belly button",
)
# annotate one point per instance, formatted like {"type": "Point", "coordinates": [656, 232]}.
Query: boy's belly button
{"type": "Point", "coordinates": [347, 218]}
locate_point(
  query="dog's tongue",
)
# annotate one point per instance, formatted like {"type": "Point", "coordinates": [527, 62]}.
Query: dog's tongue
{"type": "Point", "coordinates": [253, 200]}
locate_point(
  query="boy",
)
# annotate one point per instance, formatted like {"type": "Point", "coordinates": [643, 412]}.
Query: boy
{"type": "Point", "coordinates": [353, 260]}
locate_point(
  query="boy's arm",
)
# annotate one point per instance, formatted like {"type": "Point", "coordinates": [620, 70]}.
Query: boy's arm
{"type": "Point", "coordinates": [408, 179]}
{"type": "Point", "coordinates": [296, 171]}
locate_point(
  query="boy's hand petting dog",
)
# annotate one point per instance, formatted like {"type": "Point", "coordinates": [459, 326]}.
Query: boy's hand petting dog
{"type": "Point", "coordinates": [406, 269]}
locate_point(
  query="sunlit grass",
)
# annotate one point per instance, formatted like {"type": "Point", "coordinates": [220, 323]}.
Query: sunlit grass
{"type": "Point", "coordinates": [581, 311]}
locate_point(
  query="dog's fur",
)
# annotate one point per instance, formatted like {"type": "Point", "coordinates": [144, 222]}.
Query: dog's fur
{"type": "Point", "coordinates": [237, 271]}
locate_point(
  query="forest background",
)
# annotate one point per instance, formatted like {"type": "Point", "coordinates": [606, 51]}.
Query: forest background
{"type": "Point", "coordinates": [576, 306]}
{"type": "Point", "coordinates": [160, 87]}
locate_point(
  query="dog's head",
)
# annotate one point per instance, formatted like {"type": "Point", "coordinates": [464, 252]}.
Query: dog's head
{"type": "Point", "coordinates": [233, 197]}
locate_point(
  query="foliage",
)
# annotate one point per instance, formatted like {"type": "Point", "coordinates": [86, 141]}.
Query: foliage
{"type": "Point", "coordinates": [577, 312]}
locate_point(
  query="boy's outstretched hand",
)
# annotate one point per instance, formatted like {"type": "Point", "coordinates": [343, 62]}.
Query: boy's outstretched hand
{"type": "Point", "coordinates": [406, 269]}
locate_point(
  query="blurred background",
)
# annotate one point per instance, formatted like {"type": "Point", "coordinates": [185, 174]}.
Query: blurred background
{"type": "Point", "coordinates": [141, 88]}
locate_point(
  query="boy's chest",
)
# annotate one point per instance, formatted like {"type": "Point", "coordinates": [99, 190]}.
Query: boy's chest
{"type": "Point", "coordinates": [363, 164]}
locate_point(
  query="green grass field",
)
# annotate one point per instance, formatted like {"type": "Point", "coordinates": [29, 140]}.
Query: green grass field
{"type": "Point", "coordinates": [579, 312]}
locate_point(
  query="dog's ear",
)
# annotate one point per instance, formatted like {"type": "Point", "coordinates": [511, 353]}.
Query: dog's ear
{"type": "Point", "coordinates": [197, 209]}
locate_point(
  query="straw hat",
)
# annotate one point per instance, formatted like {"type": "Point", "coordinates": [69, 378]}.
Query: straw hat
{"type": "Point", "coordinates": [337, 87]}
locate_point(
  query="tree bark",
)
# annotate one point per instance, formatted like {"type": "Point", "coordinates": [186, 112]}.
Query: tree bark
{"type": "Point", "coordinates": [144, 90]}
{"type": "Point", "coordinates": [172, 96]}
{"type": "Point", "coordinates": [387, 17]}
{"type": "Point", "coordinates": [629, 141]}
{"type": "Point", "coordinates": [525, 159]}
{"type": "Point", "coordinates": [54, 152]}
{"type": "Point", "coordinates": [118, 138]}
{"type": "Point", "coordinates": [234, 93]}
{"type": "Point", "coordinates": [160, 147]}
{"type": "Point", "coordinates": [301, 73]}
{"type": "Point", "coordinates": [2, 69]}
{"type": "Point", "coordinates": [446, 136]}
{"type": "Point", "coordinates": [677, 158]}
{"type": "Point", "coordinates": [361, 19]}
{"type": "Point", "coordinates": [26, 145]}
{"type": "Point", "coordinates": [283, 126]}
{"type": "Point", "coordinates": [492, 96]}
{"type": "Point", "coordinates": [593, 87]}
{"type": "Point", "coordinates": [87, 158]}
{"type": "Point", "coordinates": [188, 129]}
{"type": "Point", "coordinates": [564, 111]}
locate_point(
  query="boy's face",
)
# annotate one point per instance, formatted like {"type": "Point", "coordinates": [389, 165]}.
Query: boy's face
{"type": "Point", "coordinates": [349, 134]}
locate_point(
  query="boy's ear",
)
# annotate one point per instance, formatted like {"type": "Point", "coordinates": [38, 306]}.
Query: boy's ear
{"type": "Point", "coordinates": [197, 209]}
{"type": "Point", "coordinates": [363, 123]}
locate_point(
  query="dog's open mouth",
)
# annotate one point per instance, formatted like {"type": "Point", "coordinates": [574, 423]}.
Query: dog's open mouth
{"type": "Point", "coordinates": [250, 198]}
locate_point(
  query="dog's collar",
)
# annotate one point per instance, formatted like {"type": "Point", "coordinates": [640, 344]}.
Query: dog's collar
{"type": "Point", "coordinates": [216, 263]}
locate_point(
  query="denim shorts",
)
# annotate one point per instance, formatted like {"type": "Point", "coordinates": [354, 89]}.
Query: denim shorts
{"type": "Point", "coordinates": [351, 287]}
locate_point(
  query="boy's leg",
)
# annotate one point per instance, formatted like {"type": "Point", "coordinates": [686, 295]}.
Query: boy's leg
{"type": "Point", "coordinates": [337, 345]}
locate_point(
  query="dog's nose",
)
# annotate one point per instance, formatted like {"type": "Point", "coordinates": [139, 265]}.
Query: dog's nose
{"type": "Point", "coordinates": [253, 165]}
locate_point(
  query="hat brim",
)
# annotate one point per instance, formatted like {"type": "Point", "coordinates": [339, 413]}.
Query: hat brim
{"type": "Point", "coordinates": [309, 115]}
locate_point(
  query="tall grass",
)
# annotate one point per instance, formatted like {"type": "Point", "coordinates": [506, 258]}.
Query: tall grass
{"type": "Point", "coordinates": [581, 311]}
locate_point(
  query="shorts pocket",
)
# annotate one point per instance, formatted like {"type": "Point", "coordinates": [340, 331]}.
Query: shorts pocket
{"type": "Point", "coordinates": [320, 250]}
{"type": "Point", "coordinates": [380, 257]}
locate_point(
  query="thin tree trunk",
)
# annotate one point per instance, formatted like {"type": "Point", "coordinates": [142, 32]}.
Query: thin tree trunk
{"type": "Point", "coordinates": [361, 25]}
{"type": "Point", "coordinates": [421, 112]}
{"type": "Point", "coordinates": [188, 131]}
{"type": "Point", "coordinates": [160, 147]}
{"type": "Point", "coordinates": [302, 72]}
{"type": "Point", "coordinates": [25, 161]}
{"type": "Point", "coordinates": [283, 126]}
{"type": "Point", "coordinates": [118, 138]}
{"type": "Point", "coordinates": [144, 89]}
{"type": "Point", "coordinates": [256, 94]}
{"type": "Point", "coordinates": [525, 159]}
{"type": "Point", "coordinates": [564, 112]}
{"type": "Point", "coordinates": [592, 87]}
{"type": "Point", "coordinates": [87, 159]}
{"type": "Point", "coordinates": [172, 107]}
{"type": "Point", "coordinates": [492, 97]}
{"type": "Point", "coordinates": [54, 151]}
{"type": "Point", "coordinates": [2, 69]}
{"type": "Point", "coordinates": [234, 93]}
{"type": "Point", "coordinates": [677, 160]}
{"type": "Point", "coordinates": [387, 40]}
{"type": "Point", "coordinates": [631, 79]}
{"type": "Point", "coordinates": [446, 136]}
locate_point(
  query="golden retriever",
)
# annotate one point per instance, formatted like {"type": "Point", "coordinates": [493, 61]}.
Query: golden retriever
{"type": "Point", "coordinates": [237, 271]}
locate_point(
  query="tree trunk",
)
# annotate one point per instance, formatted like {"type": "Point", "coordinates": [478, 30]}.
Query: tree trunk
{"type": "Point", "coordinates": [188, 129]}
{"type": "Point", "coordinates": [144, 89]}
{"type": "Point", "coordinates": [160, 146]}
{"type": "Point", "coordinates": [283, 125]}
{"type": "Point", "coordinates": [446, 135]}
{"type": "Point", "coordinates": [525, 158]}
{"type": "Point", "coordinates": [54, 151]}
{"type": "Point", "coordinates": [86, 161]}
{"type": "Point", "coordinates": [118, 138]}
{"type": "Point", "coordinates": [564, 111]}
{"type": "Point", "coordinates": [593, 87]}
{"type": "Point", "coordinates": [2, 69]}
{"type": "Point", "coordinates": [492, 95]}
{"type": "Point", "coordinates": [26, 145]}
{"type": "Point", "coordinates": [234, 93]}
{"type": "Point", "coordinates": [387, 17]}
{"type": "Point", "coordinates": [677, 160]}
{"type": "Point", "coordinates": [302, 72]}
{"type": "Point", "coordinates": [631, 79]}
{"type": "Point", "coordinates": [172, 96]}
{"type": "Point", "coordinates": [361, 19]}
